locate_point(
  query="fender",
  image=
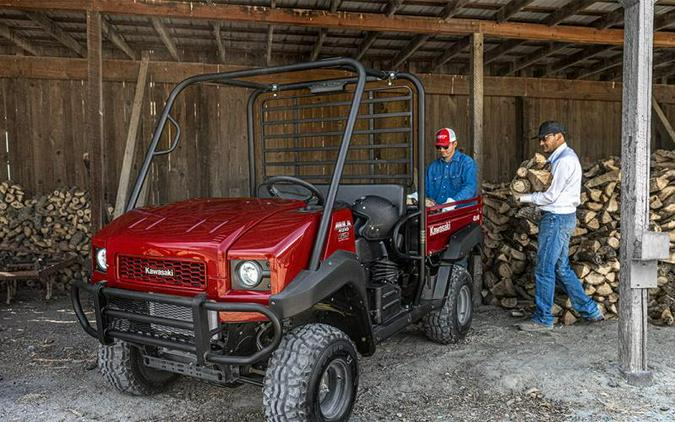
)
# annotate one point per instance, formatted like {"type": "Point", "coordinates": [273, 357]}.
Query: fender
{"type": "Point", "coordinates": [340, 274]}
{"type": "Point", "coordinates": [462, 242]}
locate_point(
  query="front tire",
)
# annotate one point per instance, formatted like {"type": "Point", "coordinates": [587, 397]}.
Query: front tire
{"type": "Point", "coordinates": [312, 376]}
{"type": "Point", "coordinates": [452, 321]}
{"type": "Point", "coordinates": [122, 366]}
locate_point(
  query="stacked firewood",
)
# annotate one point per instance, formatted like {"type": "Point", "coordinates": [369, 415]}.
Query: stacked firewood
{"type": "Point", "coordinates": [511, 240]}
{"type": "Point", "coordinates": [57, 223]}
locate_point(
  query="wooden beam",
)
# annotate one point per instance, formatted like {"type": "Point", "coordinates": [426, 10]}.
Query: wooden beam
{"type": "Point", "coordinates": [571, 9]}
{"type": "Point", "coordinates": [58, 68]}
{"type": "Point", "coordinates": [664, 20]}
{"type": "Point", "coordinates": [367, 42]}
{"type": "Point", "coordinates": [409, 50]}
{"type": "Point", "coordinates": [318, 44]}
{"type": "Point", "coordinates": [130, 149]}
{"type": "Point", "coordinates": [94, 117]}
{"type": "Point", "coordinates": [535, 56]}
{"type": "Point", "coordinates": [451, 9]}
{"type": "Point", "coordinates": [335, 5]}
{"type": "Point", "coordinates": [269, 38]}
{"type": "Point", "coordinates": [219, 42]}
{"type": "Point", "coordinates": [663, 120]}
{"type": "Point", "coordinates": [49, 26]}
{"type": "Point", "coordinates": [501, 49]}
{"type": "Point", "coordinates": [451, 52]}
{"type": "Point", "coordinates": [392, 7]}
{"type": "Point", "coordinates": [165, 37]}
{"type": "Point", "coordinates": [117, 39]}
{"type": "Point", "coordinates": [575, 58]}
{"type": "Point", "coordinates": [18, 40]}
{"type": "Point", "coordinates": [615, 17]}
{"type": "Point", "coordinates": [476, 102]}
{"type": "Point", "coordinates": [510, 9]}
{"type": "Point", "coordinates": [268, 48]}
{"type": "Point", "coordinates": [342, 20]}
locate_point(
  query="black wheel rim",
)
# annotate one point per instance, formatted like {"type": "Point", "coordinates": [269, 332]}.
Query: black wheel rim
{"type": "Point", "coordinates": [335, 389]}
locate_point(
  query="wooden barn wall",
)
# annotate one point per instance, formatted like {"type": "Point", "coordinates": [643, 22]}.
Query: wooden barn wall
{"type": "Point", "coordinates": [42, 129]}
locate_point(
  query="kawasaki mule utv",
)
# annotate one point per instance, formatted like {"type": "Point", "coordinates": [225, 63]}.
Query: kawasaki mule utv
{"type": "Point", "coordinates": [324, 260]}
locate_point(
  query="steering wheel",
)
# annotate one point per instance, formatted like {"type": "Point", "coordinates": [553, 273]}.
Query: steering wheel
{"type": "Point", "coordinates": [274, 183]}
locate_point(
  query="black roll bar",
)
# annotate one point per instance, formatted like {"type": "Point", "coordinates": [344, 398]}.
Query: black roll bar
{"type": "Point", "coordinates": [230, 78]}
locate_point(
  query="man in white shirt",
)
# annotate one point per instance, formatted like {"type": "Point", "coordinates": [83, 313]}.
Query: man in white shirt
{"type": "Point", "coordinates": [558, 205]}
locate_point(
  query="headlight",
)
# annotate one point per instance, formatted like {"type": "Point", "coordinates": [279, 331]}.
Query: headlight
{"type": "Point", "coordinates": [250, 274]}
{"type": "Point", "coordinates": [101, 262]}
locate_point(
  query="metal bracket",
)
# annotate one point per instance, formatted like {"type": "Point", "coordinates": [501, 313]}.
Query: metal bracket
{"type": "Point", "coordinates": [654, 246]}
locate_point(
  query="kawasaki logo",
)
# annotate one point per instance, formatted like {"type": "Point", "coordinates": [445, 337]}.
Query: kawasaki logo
{"type": "Point", "coordinates": [160, 272]}
{"type": "Point", "coordinates": [440, 229]}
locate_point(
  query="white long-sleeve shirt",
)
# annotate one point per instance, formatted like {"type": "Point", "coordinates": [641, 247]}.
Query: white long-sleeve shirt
{"type": "Point", "coordinates": [564, 194]}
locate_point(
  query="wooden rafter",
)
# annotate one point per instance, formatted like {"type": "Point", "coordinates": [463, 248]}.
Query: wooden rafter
{"type": "Point", "coordinates": [615, 17]}
{"type": "Point", "coordinates": [335, 5]}
{"type": "Point", "coordinates": [451, 9]}
{"type": "Point", "coordinates": [571, 9]}
{"type": "Point", "coordinates": [409, 50]}
{"type": "Point", "coordinates": [665, 20]}
{"type": "Point", "coordinates": [510, 9]}
{"type": "Point", "coordinates": [451, 52]}
{"type": "Point", "coordinates": [390, 9]}
{"type": "Point", "coordinates": [51, 27]}
{"type": "Point", "coordinates": [575, 58]}
{"type": "Point", "coordinates": [18, 40]}
{"type": "Point", "coordinates": [367, 42]}
{"type": "Point", "coordinates": [601, 66]}
{"type": "Point", "coordinates": [318, 44]}
{"type": "Point", "coordinates": [344, 20]}
{"type": "Point", "coordinates": [115, 38]}
{"type": "Point", "coordinates": [534, 57]}
{"type": "Point", "coordinates": [165, 37]}
{"type": "Point", "coordinates": [500, 50]}
{"type": "Point", "coordinates": [269, 37]}
{"type": "Point", "coordinates": [219, 41]}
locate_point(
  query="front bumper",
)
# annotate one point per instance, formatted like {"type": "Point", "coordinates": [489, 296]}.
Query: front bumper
{"type": "Point", "coordinates": [201, 344]}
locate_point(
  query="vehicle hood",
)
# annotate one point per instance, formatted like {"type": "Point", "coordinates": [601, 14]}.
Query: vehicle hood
{"type": "Point", "coordinates": [193, 223]}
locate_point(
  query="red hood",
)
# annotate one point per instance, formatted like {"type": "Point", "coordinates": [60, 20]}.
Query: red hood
{"type": "Point", "coordinates": [207, 222]}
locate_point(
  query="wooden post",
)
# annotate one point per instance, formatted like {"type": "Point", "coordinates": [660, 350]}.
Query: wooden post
{"type": "Point", "coordinates": [94, 116]}
{"type": "Point", "coordinates": [636, 118]}
{"type": "Point", "coordinates": [130, 149]}
{"type": "Point", "coordinates": [476, 124]}
{"type": "Point", "coordinates": [476, 101]}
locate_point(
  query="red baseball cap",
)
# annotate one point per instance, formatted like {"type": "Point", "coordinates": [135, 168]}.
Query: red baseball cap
{"type": "Point", "coordinates": [444, 136]}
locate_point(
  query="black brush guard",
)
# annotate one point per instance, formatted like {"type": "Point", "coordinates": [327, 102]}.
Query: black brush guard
{"type": "Point", "coordinates": [199, 326]}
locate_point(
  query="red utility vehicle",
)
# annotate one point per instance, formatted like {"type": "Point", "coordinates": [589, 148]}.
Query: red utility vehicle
{"type": "Point", "coordinates": [283, 288]}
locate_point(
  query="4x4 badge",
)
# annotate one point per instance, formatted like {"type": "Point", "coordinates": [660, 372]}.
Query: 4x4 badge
{"type": "Point", "coordinates": [161, 272]}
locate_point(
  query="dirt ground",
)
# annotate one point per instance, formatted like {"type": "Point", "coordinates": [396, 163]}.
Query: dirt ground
{"type": "Point", "coordinates": [47, 373]}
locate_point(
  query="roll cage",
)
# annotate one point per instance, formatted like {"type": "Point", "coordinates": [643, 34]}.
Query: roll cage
{"type": "Point", "coordinates": [360, 75]}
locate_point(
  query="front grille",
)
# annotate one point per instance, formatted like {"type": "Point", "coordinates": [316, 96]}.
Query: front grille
{"type": "Point", "coordinates": [169, 272]}
{"type": "Point", "coordinates": [151, 330]}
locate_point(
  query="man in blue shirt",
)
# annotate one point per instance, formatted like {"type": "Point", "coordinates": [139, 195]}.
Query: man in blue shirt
{"type": "Point", "coordinates": [451, 177]}
{"type": "Point", "coordinates": [558, 205]}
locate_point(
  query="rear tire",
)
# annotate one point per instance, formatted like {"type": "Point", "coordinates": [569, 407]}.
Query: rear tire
{"type": "Point", "coordinates": [452, 321]}
{"type": "Point", "coordinates": [312, 376]}
{"type": "Point", "coordinates": [122, 366]}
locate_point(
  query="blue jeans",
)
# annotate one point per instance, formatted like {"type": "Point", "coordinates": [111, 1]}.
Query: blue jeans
{"type": "Point", "coordinates": [553, 265]}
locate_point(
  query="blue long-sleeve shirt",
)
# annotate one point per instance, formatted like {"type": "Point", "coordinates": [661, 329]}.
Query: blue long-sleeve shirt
{"type": "Point", "coordinates": [454, 179]}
